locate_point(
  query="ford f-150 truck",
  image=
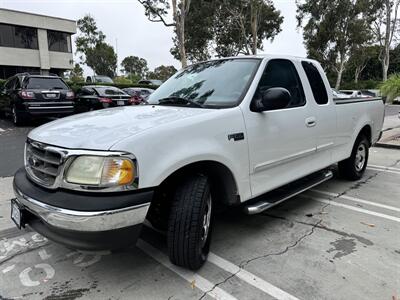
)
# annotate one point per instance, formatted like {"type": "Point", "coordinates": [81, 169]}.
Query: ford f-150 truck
{"type": "Point", "coordinates": [250, 131]}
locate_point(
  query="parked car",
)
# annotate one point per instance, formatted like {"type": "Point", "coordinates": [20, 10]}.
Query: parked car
{"type": "Point", "coordinates": [26, 96]}
{"type": "Point", "coordinates": [338, 95]}
{"type": "Point", "coordinates": [154, 82]}
{"type": "Point", "coordinates": [140, 94]}
{"type": "Point", "coordinates": [250, 131]}
{"type": "Point", "coordinates": [93, 97]}
{"type": "Point", "coordinates": [357, 93]}
{"type": "Point", "coordinates": [99, 79]}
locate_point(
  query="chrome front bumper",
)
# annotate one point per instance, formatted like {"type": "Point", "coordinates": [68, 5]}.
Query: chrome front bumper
{"type": "Point", "coordinates": [84, 221]}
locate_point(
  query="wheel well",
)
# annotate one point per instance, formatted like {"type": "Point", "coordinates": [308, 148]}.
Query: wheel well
{"type": "Point", "coordinates": [366, 131]}
{"type": "Point", "coordinates": [222, 183]}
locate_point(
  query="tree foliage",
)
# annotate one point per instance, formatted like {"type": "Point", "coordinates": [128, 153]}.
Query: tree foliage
{"type": "Point", "coordinates": [102, 59]}
{"type": "Point", "coordinates": [157, 11]}
{"type": "Point", "coordinates": [76, 74]}
{"type": "Point", "coordinates": [134, 65]}
{"type": "Point", "coordinates": [333, 29]}
{"type": "Point", "coordinates": [162, 72]}
{"type": "Point", "coordinates": [93, 50]}
{"type": "Point", "coordinates": [391, 88]}
{"type": "Point", "coordinates": [228, 27]}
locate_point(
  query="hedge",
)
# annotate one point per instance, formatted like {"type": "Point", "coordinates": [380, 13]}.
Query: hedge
{"type": "Point", "coordinates": [75, 86]}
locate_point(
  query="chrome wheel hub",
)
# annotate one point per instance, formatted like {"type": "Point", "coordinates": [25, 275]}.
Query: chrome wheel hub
{"type": "Point", "coordinates": [206, 222]}
{"type": "Point", "coordinates": [361, 155]}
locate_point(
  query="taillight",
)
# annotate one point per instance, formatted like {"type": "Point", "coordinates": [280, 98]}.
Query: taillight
{"type": "Point", "coordinates": [135, 100]}
{"type": "Point", "coordinates": [105, 100]}
{"type": "Point", "coordinates": [27, 95]}
{"type": "Point", "coordinates": [70, 95]}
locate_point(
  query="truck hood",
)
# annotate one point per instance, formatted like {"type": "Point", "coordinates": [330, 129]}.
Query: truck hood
{"type": "Point", "coordinates": [100, 130]}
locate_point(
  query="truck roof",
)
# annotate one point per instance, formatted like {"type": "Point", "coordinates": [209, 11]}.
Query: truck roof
{"type": "Point", "coordinates": [266, 56]}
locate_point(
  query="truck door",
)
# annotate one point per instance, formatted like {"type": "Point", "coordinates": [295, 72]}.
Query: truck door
{"type": "Point", "coordinates": [324, 110]}
{"type": "Point", "coordinates": [282, 142]}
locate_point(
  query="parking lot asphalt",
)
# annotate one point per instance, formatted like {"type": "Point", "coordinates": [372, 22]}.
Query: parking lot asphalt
{"type": "Point", "coordinates": [338, 241]}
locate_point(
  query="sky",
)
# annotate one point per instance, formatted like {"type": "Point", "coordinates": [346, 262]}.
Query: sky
{"type": "Point", "coordinates": [129, 31]}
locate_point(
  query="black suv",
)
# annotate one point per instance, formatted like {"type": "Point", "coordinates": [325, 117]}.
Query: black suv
{"type": "Point", "coordinates": [27, 96]}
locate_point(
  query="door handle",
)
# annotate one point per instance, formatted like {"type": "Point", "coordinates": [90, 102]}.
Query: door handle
{"type": "Point", "coordinates": [311, 122]}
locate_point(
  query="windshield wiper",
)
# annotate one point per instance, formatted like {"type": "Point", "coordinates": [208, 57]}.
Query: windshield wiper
{"type": "Point", "coordinates": [178, 100]}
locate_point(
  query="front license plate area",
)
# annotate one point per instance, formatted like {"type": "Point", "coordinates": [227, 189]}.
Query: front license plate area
{"type": "Point", "coordinates": [120, 103]}
{"type": "Point", "coordinates": [16, 213]}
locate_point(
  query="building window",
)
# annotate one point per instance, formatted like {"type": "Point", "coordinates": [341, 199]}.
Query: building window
{"type": "Point", "coordinates": [59, 41]}
{"type": "Point", "coordinates": [18, 37]}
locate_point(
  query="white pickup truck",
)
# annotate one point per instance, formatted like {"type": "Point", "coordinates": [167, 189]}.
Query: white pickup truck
{"type": "Point", "coordinates": [250, 131]}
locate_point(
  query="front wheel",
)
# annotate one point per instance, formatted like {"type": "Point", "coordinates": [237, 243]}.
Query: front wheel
{"type": "Point", "coordinates": [354, 167]}
{"type": "Point", "coordinates": [189, 224]}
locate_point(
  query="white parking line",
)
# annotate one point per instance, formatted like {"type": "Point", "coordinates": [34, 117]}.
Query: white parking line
{"type": "Point", "coordinates": [357, 200]}
{"type": "Point", "coordinates": [383, 167]}
{"type": "Point", "coordinates": [200, 282]}
{"type": "Point", "coordinates": [365, 211]}
{"type": "Point", "coordinates": [383, 170]}
{"type": "Point", "coordinates": [250, 278]}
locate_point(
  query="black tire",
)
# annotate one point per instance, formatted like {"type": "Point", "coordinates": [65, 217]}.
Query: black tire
{"type": "Point", "coordinates": [16, 116]}
{"type": "Point", "coordinates": [188, 243]}
{"type": "Point", "coordinates": [353, 168]}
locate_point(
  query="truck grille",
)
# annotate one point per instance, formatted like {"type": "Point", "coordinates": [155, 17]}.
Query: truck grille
{"type": "Point", "coordinates": [43, 163]}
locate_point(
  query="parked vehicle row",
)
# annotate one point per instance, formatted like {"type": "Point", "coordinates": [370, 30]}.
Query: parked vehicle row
{"type": "Point", "coordinates": [27, 96]}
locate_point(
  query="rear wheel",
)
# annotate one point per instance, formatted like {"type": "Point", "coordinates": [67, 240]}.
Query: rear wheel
{"type": "Point", "coordinates": [189, 225]}
{"type": "Point", "coordinates": [17, 118]}
{"type": "Point", "coordinates": [354, 167]}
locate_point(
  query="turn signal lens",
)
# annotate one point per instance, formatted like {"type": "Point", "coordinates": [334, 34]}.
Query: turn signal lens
{"type": "Point", "coordinates": [118, 171]}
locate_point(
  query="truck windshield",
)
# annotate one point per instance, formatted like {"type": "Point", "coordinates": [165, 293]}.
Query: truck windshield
{"type": "Point", "coordinates": [212, 84]}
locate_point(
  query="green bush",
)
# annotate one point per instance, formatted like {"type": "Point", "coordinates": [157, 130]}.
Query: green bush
{"type": "Point", "coordinates": [391, 88]}
{"type": "Point", "coordinates": [2, 82]}
{"type": "Point", "coordinates": [361, 85]}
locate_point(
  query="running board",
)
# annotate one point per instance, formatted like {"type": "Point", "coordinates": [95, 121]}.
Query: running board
{"type": "Point", "coordinates": [290, 190]}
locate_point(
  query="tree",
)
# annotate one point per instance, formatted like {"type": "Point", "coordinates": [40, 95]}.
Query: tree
{"type": "Point", "coordinates": [385, 28]}
{"type": "Point", "coordinates": [89, 36]}
{"type": "Point", "coordinates": [162, 72]}
{"type": "Point", "coordinates": [102, 59]}
{"type": "Point", "coordinates": [134, 65]}
{"type": "Point", "coordinates": [228, 28]}
{"type": "Point", "coordinates": [76, 74]}
{"type": "Point", "coordinates": [360, 57]}
{"type": "Point", "coordinates": [94, 52]}
{"type": "Point", "coordinates": [243, 25]}
{"type": "Point", "coordinates": [334, 28]}
{"type": "Point", "coordinates": [391, 87]}
{"type": "Point", "coordinates": [157, 11]}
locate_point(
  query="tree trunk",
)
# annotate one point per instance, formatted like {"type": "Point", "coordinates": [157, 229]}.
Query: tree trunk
{"type": "Point", "coordinates": [180, 29]}
{"type": "Point", "coordinates": [357, 74]}
{"type": "Point", "coordinates": [254, 29]}
{"type": "Point", "coordinates": [340, 74]}
{"type": "Point", "coordinates": [385, 64]}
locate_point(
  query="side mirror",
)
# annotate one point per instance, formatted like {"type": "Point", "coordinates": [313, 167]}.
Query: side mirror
{"type": "Point", "coordinates": [273, 98]}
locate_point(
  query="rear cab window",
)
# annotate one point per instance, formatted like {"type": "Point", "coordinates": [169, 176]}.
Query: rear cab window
{"type": "Point", "coordinates": [316, 82]}
{"type": "Point", "coordinates": [47, 83]}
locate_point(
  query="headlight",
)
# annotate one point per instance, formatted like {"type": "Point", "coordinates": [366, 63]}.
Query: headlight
{"type": "Point", "coordinates": [101, 171]}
